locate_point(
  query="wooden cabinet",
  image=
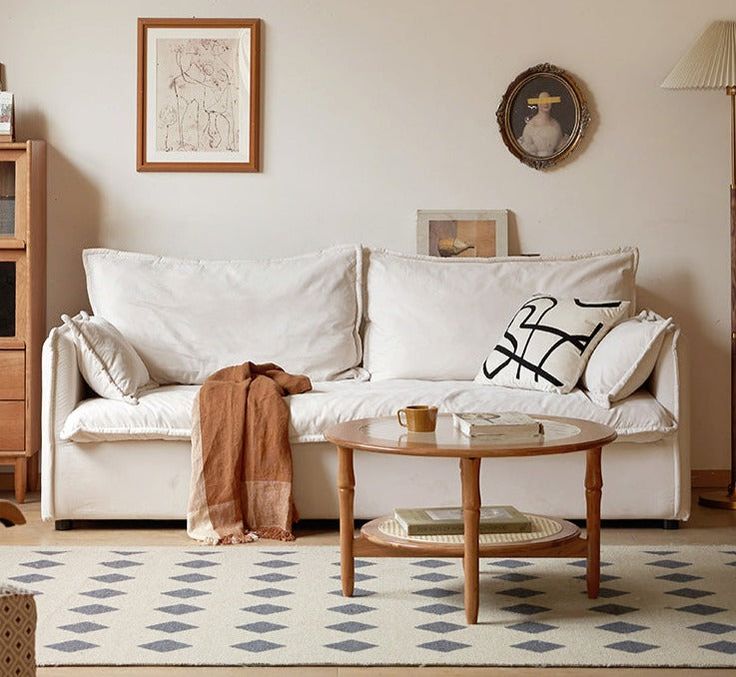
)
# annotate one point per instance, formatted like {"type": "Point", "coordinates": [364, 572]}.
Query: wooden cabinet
{"type": "Point", "coordinates": [22, 306]}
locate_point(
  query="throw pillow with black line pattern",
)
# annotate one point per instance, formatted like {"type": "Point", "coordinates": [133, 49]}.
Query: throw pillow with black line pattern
{"type": "Point", "coordinates": [548, 342]}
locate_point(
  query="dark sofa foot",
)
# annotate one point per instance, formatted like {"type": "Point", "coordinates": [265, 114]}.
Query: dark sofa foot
{"type": "Point", "coordinates": [670, 524]}
{"type": "Point", "coordinates": [63, 525]}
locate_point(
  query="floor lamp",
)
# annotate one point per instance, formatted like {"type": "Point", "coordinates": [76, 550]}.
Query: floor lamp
{"type": "Point", "coordinates": [711, 64]}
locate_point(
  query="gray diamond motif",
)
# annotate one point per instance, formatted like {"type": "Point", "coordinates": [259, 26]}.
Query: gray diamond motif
{"type": "Point", "coordinates": [537, 646]}
{"type": "Point", "coordinates": [351, 627]}
{"type": "Point", "coordinates": [359, 577]}
{"type": "Point", "coordinates": [121, 564]}
{"type": "Point", "coordinates": [185, 593]}
{"type": "Point", "coordinates": [432, 563]}
{"type": "Point", "coordinates": [443, 645]}
{"type": "Point", "coordinates": [198, 564]}
{"type": "Point", "coordinates": [102, 593]}
{"type": "Point", "coordinates": [30, 578]}
{"type": "Point", "coordinates": [520, 592]}
{"type": "Point", "coordinates": [582, 563]}
{"type": "Point", "coordinates": [622, 628]}
{"type": "Point", "coordinates": [164, 645]}
{"type": "Point", "coordinates": [722, 646]}
{"type": "Point", "coordinates": [277, 553]}
{"type": "Point", "coordinates": [513, 577]}
{"type": "Point", "coordinates": [613, 609]}
{"type": "Point", "coordinates": [179, 609]}
{"type": "Point", "coordinates": [52, 553]}
{"type": "Point", "coordinates": [526, 609]}
{"type": "Point", "coordinates": [192, 578]}
{"type": "Point", "coordinates": [359, 563]}
{"type": "Point", "coordinates": [357, 592]}
{"type": "Point", "coordinates": [512, 563]}
{"type": "Point", "coordinates": [83, 627]}
{"type": "Point", "coordinates": [532, 627]}
{"type": "Point", "coordinates": [431, 577]}
{"type": "Point", "coordinates": [350, 645]}
{"type": "Point", "coordinates": [126, 553]}
{"type": "Point", "coordinates": [265, 609]}
{"type": "Point", "coordinates": [680, 578]}
{"type": "Point", "coordinates": [713, 628]}
{"type": "Point", "coordinates": [629, 646]}
{"type": "Point", "coordinates": [257, 646]}
{"type": "Point", "coordinates": [440, 627]}
{"type": "Point", "coordinates": [608, 593]}
{"type": "Point", "coordinates": [261, 627]}
{"type": "Point", "coordinates": [669, 564]}
{"type": "Point", "coordinates": [71, 646]}
{"type": "Point", "coordinates": [438, 609]}
{"type": "Point", "coordinates": [171, 626]}
{"type": "Point", "coordinates": [269, 592]}
{"type": "Point", "coordinates": [202, 553]}
{"type": "Point", "coordinates": [691, 593]}
{"type": "Point", "coordinates": [41, 564]}
{"type": "Point", "coordinates": [661, 552]}
{"type": "Point", "coordinates": [605, 578]}
{"type": "Point", "coordinates": [276, 577]}
{"type": "Point", "coordinates": [436, 593]}
{"type": "Point", "coordinates": [351, 609]}
{"type": "Point", "coordinates": [93, 609]}
{"type": "Point", "coordinates": [701, 609]}
{"type": "Point", "coordinates": [112, 578]}
{"type": "Point", "coordinates": [276, 564]}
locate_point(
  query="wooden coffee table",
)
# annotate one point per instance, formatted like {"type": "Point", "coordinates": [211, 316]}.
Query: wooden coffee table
{"type": "Point", "coordinates": [552, 537]}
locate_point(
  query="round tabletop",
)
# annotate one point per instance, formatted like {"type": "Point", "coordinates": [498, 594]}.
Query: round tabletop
{"type": "Point", "coordinates": [385, 435]}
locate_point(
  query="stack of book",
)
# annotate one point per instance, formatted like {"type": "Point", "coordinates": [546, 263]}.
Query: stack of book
{"type": "Point", "coordinates": [449, 521]}
{"type": "Point", "coordinates": [507, 426]}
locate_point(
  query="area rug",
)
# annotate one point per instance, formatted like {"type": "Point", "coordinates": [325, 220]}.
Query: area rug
{"type": "Point", "coordinates": [274, 605]}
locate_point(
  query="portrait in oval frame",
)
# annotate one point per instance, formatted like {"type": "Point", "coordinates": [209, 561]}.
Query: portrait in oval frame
{"type": "Point", "coordinates": [542, 116]}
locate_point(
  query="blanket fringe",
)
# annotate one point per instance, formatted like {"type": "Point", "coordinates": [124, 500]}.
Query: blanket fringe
{"type": "Point", "coordinates": [275, 533]}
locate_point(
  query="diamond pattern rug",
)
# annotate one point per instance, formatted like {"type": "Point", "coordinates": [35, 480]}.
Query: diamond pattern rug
{"type": "Point", "coordinates": [281, 605]}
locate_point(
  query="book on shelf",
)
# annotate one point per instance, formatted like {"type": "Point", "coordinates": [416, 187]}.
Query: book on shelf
{"type": "Point", "coordinates": [503, 424]}
{"type": "Point", "coordinates": [449, 521]}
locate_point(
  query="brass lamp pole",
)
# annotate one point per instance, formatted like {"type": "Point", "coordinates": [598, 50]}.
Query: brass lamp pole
{"type": "Point", "coordinates": [711, 64]}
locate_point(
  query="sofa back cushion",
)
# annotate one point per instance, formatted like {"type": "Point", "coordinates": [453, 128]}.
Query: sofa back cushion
{"type": "Point", "coordinates": [432, 318]}
{"type": "Point", "coordinates": [189, 318]}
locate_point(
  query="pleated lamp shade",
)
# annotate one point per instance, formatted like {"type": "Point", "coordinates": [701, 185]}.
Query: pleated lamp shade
{"type": "Point", "coordinates": [711, 61]}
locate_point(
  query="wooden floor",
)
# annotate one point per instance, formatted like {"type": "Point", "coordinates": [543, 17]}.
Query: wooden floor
{"type": "Point", "coordinates": [705, 526]}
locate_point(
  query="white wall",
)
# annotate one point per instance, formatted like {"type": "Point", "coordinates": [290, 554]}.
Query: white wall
{"type": "Point", "coordinates": [375, 108]}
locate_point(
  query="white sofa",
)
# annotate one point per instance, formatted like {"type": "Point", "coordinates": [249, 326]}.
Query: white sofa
{"type": "Point", "coordinates": [375, 331]}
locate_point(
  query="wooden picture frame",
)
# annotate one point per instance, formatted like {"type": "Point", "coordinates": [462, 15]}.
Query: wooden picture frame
{"type": "Point", "coordinates": [531, 128]}
{"type": "Point", "coordinates": [463, 232]}
{"type": "Point", "coordinates": [199, 95]}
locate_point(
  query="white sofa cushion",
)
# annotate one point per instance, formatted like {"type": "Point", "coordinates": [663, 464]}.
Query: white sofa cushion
{"type": "Point", "coordinates": [188, 319]}
{"type": "Point", "coordinates": [548, 341]}
{"type": "Point", "coordinates": [625, 358]}
{"type": "Point", "coordinates": [166, 412]}
{"type": "Point", "coordinates": [431, 318]}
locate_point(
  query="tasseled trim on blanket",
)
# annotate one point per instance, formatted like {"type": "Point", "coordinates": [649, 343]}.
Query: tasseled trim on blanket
{"type": "Point", "coordinates": [275, 533]}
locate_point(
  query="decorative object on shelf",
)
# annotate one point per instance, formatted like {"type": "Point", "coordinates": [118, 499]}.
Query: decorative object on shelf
{"type": "Point", "coordinates": [7, 114]}
{"type": "Point", "coordinates": [542, 116]}
{"type": "Point", "coordinates": [464, 232]}
{"type": "Point", "coordinates": [22, 309]}
{"type": "Point", "coordinates": [494, 519]}
{"type": "Point", "coordinates": [199, 95]}
{"type": "Point", "coordinates": [711, 64]}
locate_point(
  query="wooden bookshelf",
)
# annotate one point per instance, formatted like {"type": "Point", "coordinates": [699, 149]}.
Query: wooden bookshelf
{"type": "Point", "coordinates": [22, 307]}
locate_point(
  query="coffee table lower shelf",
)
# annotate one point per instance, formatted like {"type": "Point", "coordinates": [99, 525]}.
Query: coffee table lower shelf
{"type": "Point", "coordinates": [552, 537]}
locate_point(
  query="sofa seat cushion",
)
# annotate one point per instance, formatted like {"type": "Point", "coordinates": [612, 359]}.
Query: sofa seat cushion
{"type": "Point", "coordinates": [165, 413]}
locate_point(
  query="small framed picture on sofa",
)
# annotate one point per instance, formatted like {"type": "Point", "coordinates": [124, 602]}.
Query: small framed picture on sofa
{"type": "Point", "coordinates": [463, 233]}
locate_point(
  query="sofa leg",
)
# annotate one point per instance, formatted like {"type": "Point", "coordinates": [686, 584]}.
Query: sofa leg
{"type": "Point", "coordinates": [63, 525]}
{"type": "Point", "coordinates": [670, 524]}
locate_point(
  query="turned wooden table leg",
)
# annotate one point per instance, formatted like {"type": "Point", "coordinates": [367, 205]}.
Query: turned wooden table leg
{"type": "Point", "coordinates": [593, 487]}
{"type": "Point", "coordinates": [21, 465]}
{"type": "Point", "coordinates": [346, 491]}
{"type": "Point", "coordinates": [470, 478]}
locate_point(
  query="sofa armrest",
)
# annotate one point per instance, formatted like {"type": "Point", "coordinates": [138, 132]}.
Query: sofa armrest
{"type": "Point", "coordinates": [62, 389]}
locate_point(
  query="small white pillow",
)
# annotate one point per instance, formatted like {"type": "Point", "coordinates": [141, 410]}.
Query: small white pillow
{"type": "Point", "coordinates": [548, 341]}
{"type": "Point", "coordinates": [107, 361]}
{"type": "Point", "coordinates": [625, 358]}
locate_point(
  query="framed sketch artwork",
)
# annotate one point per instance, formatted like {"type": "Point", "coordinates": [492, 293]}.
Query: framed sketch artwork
{"type": "Point", "coordinates": [542, 116]}
{"type": "Point", "coordinates": [465, 233]}
{"type": "Point", "coordinates": [198, 95]}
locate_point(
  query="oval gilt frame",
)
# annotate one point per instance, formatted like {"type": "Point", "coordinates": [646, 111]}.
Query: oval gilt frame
{"type": "Point", "coordinates": [506, 107]}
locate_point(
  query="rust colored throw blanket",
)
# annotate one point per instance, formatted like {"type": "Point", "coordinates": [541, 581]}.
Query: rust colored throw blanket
{"type": "Point", "coordinates": [241, 456]}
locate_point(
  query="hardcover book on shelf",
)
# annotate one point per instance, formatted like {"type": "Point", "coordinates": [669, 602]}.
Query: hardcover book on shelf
{"type": "Point", "coordinates": [449, 521]}
{"type": "Point", "coordinates": [510, 423]}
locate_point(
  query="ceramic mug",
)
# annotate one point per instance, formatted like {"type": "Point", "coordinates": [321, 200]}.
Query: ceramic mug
{"type": "Point", "coordinates": [418, 418]}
